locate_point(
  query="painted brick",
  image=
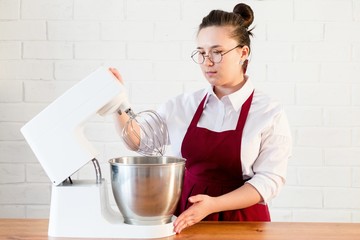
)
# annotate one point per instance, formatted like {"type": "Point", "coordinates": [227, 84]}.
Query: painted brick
{"type": "Point", "coordinates": [194, 11]}
{"type": "Point", "coordinates": [12, 211]}
{"type": "Point", "coordinates": [356, 177]}
{"type": "Point", "coordinates": [154, 51]}
{"type": "Point", "coordinates": [280, 215]}
{"type": "Point", "coordinates": [36, 174]}
{"type": "Point", "coordinates": [74, 70]}
{"type": "Point", "coordinates": [356, 216]}
{"type": "Point", "coordinates": [356, 10]}
{"type": "Point", "coordinates": [10, 50]}
{"type": "Point", "coordinates": [356, 137]}
{"type": "Point", "coordinates": [18, 112]}
{"type": "Point", "coordinates": [37, 91]}
{"type": "Point", "coordinates": [325, 176]}
{"type": "Point", "coordinates": [23, 30]}
{"type": "Point", "coordinates": [356, 52]}
{"type": "Point", "coordinates": [9, 9]}
{"type": "Point", "coordinates": [185, 71]}
{"type": "Point", "coordinates": [47, 50]}
{"type": "Point", "coordinates": [292, 176]}
{"type": "Point", "coordinates": [340, 72]}
{"type": "Point", "coordinates": [323, 10]}
{"type": "Point", "coordinates": [26, 70]}
{"type": "Point", "coordinates": [43, 9]}
{"type": "Point", "coordinates": [342, 157]}
{"type": "Point", "coordinates": [271, 52]}
{"type": "Point", "coordinates": [25, 194]}
{"type": "Point", "coordinates": [73, 30]}
{"type": "Point", "coordinates": [355, 89]}
{"type": "Point", "coordinates": [271, 11]}
{"type": "Point", "coordinates": [194, 86]}
{"type": "Point", "coordinates": [322, 52]}
{"type": "Point", "coordinates": [187, 48]}
{"type": "Point", "coordinates": [10, 131]}
{"type": "Point", "coordinates": [295, 32]}
{"type": "Point", "coordinates": [304, 116]}
{"type": "Point", "coordinates": [257, 71]}
{"type": "Point", "coordinates": [160, 92]}
{"type": "Point", "coordinates": [259, 31]}
{"type": "Point", "coordinates": [264, 11]}
{"type": "Point", "coordinates": [15, 152]}
{"type": "Point", "coordinates": [283, 92]}
{"type": "Point", "coordinates": [165, 31]}
{"type": "Point", "coordinates": [11, 91]}
{"type": "Point", "coordinates": [127, 30]}
{"type": "Point", "coordinates": [342, 198]}
{"type": "Point", "coordinates": [291, 72]}
{"type": "Point", "coordinates": [132, 71]}
{"type": "Point", "coordinates": [344, 116]}
{"type": "Point", "coordinates": [98, 9]}
{"type": "Point", "coordinates": [100, 50]}
{"type": "Point", "coordinates": [343, 32]}
{"type": "Point", "coordinates": [322, 216]}
{"type": "Point", "coordinates": [12, 173]}
{"type": "Point", "coordinates": [323, 94]}
{"type": "Point", "coordinates": [323, 137]}
{"type": "Point", "coordinates": [143, 10]}
{"type": "Point", "coordinates": [299, 197]}
{"type": "Point", "coordinates": [306, 156]}
{"type": "Point", "coordinates": [38, 211]}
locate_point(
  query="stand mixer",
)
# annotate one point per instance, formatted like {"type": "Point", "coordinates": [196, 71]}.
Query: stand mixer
{"type": "Point", "coordinates": [80, 208]}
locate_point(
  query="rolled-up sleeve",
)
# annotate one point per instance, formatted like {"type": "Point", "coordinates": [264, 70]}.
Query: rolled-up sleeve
{"type": "Point", "coordinates": [270, 166]}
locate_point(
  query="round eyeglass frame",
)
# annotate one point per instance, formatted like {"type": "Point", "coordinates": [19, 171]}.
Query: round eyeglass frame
{"type": "Point", "coordinates": [193, 54]}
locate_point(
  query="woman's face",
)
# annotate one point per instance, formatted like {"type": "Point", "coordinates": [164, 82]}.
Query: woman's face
{"type": "Point", "coordinates": [227, 73]}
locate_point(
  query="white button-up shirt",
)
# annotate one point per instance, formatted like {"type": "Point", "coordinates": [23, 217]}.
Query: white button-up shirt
{"type": "Point", "coordinates": [266, 141]}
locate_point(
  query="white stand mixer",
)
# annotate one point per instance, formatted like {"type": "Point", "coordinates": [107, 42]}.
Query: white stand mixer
{"type": "Point", "coordinates": [55, 135]}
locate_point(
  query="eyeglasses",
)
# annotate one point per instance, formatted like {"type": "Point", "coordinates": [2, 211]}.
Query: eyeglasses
{"type": "Point", "coordinates": [214, 56]}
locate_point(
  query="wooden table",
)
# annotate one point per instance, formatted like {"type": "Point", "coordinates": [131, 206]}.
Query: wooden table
{"type": "Point", "coordinates": [36, 229]}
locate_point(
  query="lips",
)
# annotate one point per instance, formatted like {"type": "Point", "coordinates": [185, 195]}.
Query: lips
{"type": "Point", "coordinates": [210, 73]}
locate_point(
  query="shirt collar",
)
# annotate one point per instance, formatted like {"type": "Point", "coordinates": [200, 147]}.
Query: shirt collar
{"type": "Point", "coordinates": [237, 98]}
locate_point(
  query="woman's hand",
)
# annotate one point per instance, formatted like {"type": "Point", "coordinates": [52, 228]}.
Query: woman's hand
{"type": "Point", "coordinates": [116, 74]}
{"type": "Point", "coordinates": [203, 205]}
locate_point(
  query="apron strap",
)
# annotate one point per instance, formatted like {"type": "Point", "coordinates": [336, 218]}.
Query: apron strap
{"type": "Point", "coordinates": [198, 113]}
{"type": "Point", "coordinates": [244, 112]}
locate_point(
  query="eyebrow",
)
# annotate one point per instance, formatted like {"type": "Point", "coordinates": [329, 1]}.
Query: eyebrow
{"type": "Point", "coordinates": [214, 46]}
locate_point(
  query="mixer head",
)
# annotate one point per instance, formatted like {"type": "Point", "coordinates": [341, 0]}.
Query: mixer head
{"type": "Point", "coordinates": [153, 136]}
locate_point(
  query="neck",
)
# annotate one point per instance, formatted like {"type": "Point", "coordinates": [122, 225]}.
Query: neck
{"type": "Point", "coordinates": [221, 91]}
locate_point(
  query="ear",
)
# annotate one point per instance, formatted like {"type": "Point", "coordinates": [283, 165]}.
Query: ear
{"type": "Point", "coordinates": [244, 53]}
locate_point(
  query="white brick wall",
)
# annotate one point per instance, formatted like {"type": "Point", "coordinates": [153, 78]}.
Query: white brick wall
{"type": "Point", "coordinates": [306, 53]}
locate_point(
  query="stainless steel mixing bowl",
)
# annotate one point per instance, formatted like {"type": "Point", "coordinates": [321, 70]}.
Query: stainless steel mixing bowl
{"type": "Point", "coordinates": [147, 188]}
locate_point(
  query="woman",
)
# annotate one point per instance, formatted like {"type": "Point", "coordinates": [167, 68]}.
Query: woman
{"type": "Point", "coordinates": [235, 139]}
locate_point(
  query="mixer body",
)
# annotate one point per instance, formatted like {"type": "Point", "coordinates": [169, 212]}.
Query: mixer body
{"type": "Point", "coordinates": [81, 209]}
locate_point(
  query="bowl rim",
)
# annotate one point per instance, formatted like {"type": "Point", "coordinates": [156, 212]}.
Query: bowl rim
{"type": "Point", "coordinates": [112, 161]}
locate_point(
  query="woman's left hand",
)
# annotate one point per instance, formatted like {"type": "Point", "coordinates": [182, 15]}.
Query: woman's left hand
{"type": "Point", "coordinates": [203, 205]}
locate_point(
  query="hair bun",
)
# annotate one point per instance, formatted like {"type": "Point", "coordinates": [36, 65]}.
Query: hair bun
{"type": "Point", "coordinates": [245, 12]}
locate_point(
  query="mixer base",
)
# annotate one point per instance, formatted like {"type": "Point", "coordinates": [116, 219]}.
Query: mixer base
{"type": "Point", "coordinates": [82, 210]}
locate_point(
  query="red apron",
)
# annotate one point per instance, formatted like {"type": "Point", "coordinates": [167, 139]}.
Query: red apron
{"type": "Point", "coordinates": [213, 167]}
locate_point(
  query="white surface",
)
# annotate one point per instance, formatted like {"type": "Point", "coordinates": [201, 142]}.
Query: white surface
{"type": "Point", "coordinates": [83, 210]}
{"type": "Point", "coordinates": [56, 134]}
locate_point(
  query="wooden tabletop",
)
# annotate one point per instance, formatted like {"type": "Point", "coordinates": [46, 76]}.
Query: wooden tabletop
{"type": "Point", "coordinates": [36, 229]}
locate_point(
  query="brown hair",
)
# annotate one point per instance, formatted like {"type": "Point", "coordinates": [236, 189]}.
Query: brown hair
{"type": "Point", "coordinates": [240, 19]}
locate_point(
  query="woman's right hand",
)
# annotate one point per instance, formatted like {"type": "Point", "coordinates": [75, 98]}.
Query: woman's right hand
{"type": "Point", "coordinates": [116, 74]}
